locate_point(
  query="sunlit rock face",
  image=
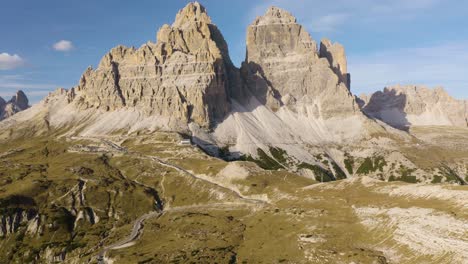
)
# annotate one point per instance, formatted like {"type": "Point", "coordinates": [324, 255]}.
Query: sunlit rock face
{"type": "Point", "coordinates": [185, 75]}
{"type": "Point", "coordinates": [405, 106]}
{"type": "Point", "coordinates": [283, 67]}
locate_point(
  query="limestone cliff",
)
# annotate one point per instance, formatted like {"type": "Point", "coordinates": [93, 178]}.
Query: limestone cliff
{"type": "Point", "coordinates": [405, 106]}
{"type": "Point", "coordinates": [184, 76]}
{"type": "Point", "coordinates": [283, 67]}
{"type": "Point", "coordinates": [336, 56]}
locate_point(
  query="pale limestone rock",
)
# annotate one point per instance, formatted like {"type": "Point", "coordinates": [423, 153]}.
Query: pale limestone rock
{"type": "Point", "coordinates": [282, 67]}
{"type": "Point", "coordinates": [405, 106]}
{"type": "Point", "coordinates": [10, 223]}
{"type": "Point", "coordinates": [185, 76]}
{"type": "Point", "coordinates": [336, 56]}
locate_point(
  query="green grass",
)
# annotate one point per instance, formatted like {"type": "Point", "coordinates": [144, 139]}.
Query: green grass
{"type": "Point", "coordinates": [339, 173]}
{"type": "Point", "coordinates": [372, 164]}
{"type": "Point", "coordinates": [349, 163]}
{"type": "Point", "coordinates": [450, 175]}
{"type": "Point", "coordinates": [280, 155]}
{"type": "Point", "coordinates": [120, 188]}
{"type": "Point", "coordinates": [436, 179]}
{"type": "Point", "coordinates": [264, 161]}
{"type": "Point", "coordinates": [405, 175]}
{"type": "Point", "coordinates": [320, 173]}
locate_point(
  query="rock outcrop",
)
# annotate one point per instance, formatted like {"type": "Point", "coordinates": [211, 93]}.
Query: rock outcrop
{"type": "Point", "coordinates": [405, 106]}
{"type": "Point", "coordinates": [336, 56]}
{"type": "Point", "coordinates": [186, 75]}
{"type": "Point", "coordinates": [17, 103]}
{"type": "Point", "coordinates": [291, 95]}
{"type": "Point", "coordinates": [283, 67]}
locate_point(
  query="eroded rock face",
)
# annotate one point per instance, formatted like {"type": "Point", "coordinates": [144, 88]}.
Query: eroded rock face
{"type": "Point", "coordinates": [283, 67]}
{"type": "Point", "coordinates": [336, 56]}
{"type": "Point", "coordinates": [10, 223]}
{"type": "Point", "coordinates": [17, 103]}
{"type": "Point", "coordinates": [405, 106]}
{"type": "Point", "coordinates": [184, 76]}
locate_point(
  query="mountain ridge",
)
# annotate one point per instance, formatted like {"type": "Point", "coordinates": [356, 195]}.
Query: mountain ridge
{"type": "Point", "coordinates": [416, 105]}
{"type": "Point", "coordinates": [290, 95]}
{"type": "Point", "coordinates": [19, 102]}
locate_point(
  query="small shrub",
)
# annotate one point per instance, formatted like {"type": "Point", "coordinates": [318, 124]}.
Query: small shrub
{"type": "Point", "coordinates": [372, 165]}
{"type": "Point", "coordinates": [263, 161]}
{"type": "Point", "coordinates": [436, 179]}
{"type": "Point", "coordinates": [321, 174]}
{"type": "Point", "coordinates": [339, 173]}
{"type": "Point", "coordinates": [349, 163]}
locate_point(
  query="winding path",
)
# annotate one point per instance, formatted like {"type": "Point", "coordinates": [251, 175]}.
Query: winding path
{"type": "Point", "coordinates": [126, 242]}
{"type": "Point", "coordinates": [137, 229]}
{"type": "Point", "coordinates": [138, 225]}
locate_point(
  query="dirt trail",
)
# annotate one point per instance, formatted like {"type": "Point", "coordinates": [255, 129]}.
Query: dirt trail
{"type": "Point", "coordinates": [137, 229]}
{"type": "Point", "coordinates": [184, 171]}
{"type": "Point", "coordinates": [138, 225]}
{"type": "Point", "coordinates": [162, 162]}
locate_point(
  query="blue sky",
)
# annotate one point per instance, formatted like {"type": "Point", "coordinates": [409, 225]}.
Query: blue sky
{"type": "Point", "coordinates": [49, 43]}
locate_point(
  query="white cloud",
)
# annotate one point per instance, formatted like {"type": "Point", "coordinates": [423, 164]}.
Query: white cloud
{"type": "Point", "coordinates": [14, 82]}
{"type": "Point", "coordinates": [63, 45]}
{"type": "Point", "coordinates": [8, 62]}
{"type": "Point", "coordinates": [327, 16]}
{"type": "Point", "coordinates": [329, 22]}
{"type": "Point", "coordinates": [436, 65]}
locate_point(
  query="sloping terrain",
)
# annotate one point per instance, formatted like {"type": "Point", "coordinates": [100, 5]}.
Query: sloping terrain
{"type": "Point", "coordinates": [147, 199]}
{"type": "Point", "coordinates": [285, 167]}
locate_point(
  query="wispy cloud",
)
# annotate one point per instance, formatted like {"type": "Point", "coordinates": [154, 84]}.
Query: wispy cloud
{"type": "Point", "coordinates": [14, 82]}
{"type": "Point", "coordinates": [63, 45]}
{"type": "Point", "coordinates": [326, 16]}
{"type": "Point", "coordinates": [329, 22]}
{"type": "Point", "coordinates": [9, 94]}
{"type": "Point", "coordinates": [423, 65]}
{"type": "Point", "coordinates": [8, 62]}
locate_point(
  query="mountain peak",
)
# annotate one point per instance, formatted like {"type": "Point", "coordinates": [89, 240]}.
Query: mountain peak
{"type": "Point", "coordinates": [192, 12]}
{"type": "Point", "coordinates": [20, 100]}
{"type": "Point", "coordinates": [17, 103]}
{"type": "Point", "coordinates": [416, 105]}
{"type": "Point", "coordinates": [275, 15]}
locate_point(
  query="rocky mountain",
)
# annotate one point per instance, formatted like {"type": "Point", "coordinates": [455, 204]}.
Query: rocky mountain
{"type": "Point", "coordinates": [185, 76]}
{"type": "Point", "coordinates": [406, 106]}
{"type": "Point", "coordinates": [286, 160]}
{"type": "Point", "coordinates": [290, 89]}
{"type": "Point", "coordinates": [17, 103]}
{"type": "Point", "coordinates": [284, 68]}
{"type": "Point", "coordinates": [289, 105]}
{"type": "Point", "coordinates": [286, 88]}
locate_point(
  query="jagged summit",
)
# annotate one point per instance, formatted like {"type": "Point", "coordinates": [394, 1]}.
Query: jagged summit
{"type": "Point", "coordinates": [336, 56]}
{"type": "Point", "coordinates": [192, 12]}
{"type": "Point", "coordinates": [17, 103]}
{"type": "Point", "coordinates": [275, 15]}
{"type": "Point", "coordinates": [283, 67]}
{"type": "Point", "coordinates": [183, 77]}
{"type": "Point", "coordinates": [414, 105]}
{"type": "Point", "coordinates": [187, 76]}
{"type": "Point", "coordinates": [20, 99]}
